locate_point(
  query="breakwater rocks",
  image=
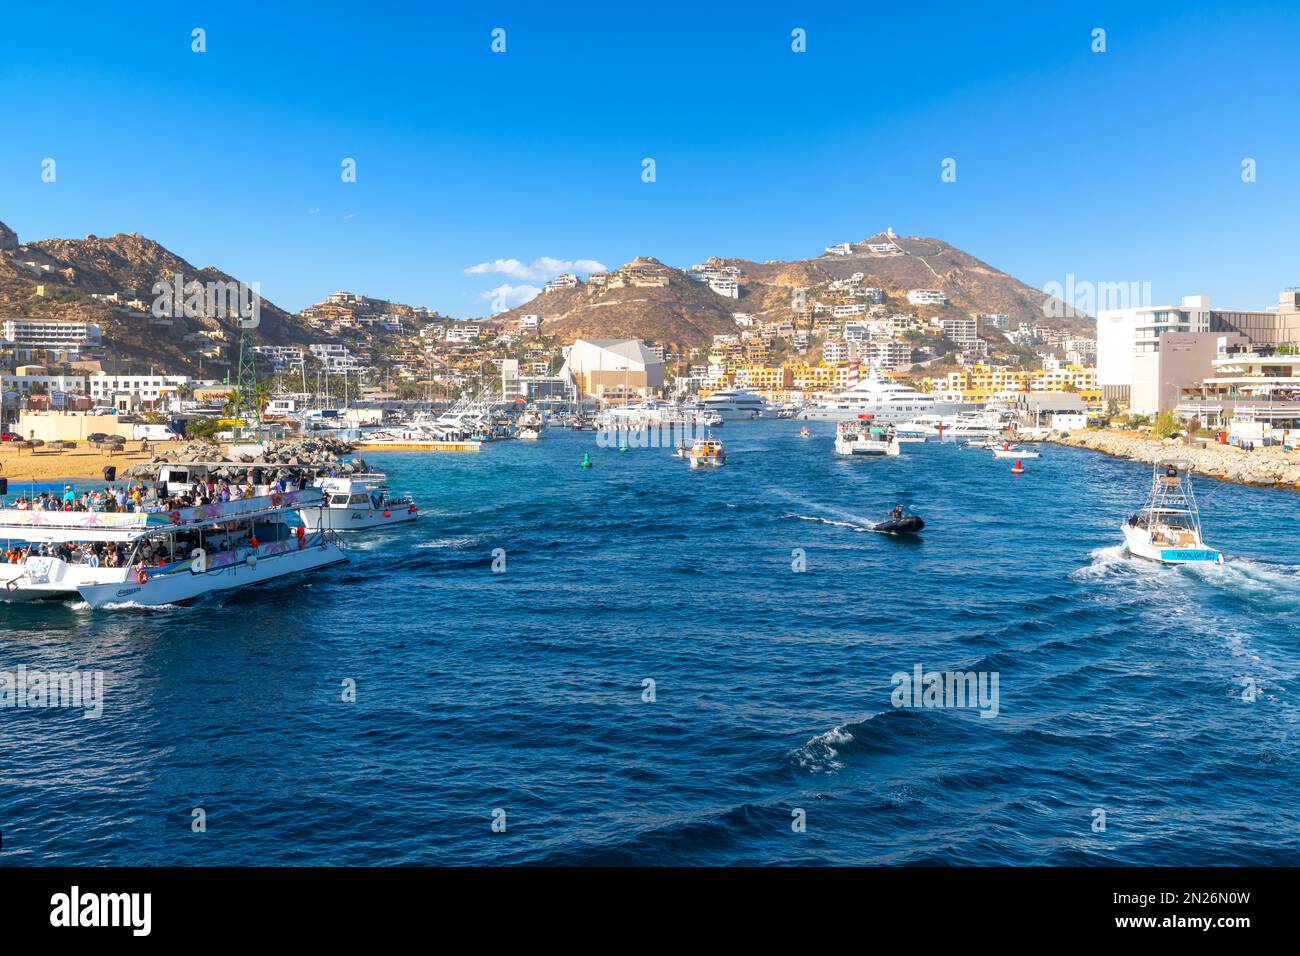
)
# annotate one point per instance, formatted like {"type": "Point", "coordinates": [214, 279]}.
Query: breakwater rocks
{"type": "Point", "coordinates": [291, 456]}
{"type": "Point", "coordinates": [1263, 466]}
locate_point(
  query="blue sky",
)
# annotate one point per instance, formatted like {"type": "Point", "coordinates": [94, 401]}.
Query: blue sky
{"type": "Point", "coordinates": [1123, 166]}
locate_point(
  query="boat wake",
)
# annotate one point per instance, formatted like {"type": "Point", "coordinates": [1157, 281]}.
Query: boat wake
{"type": "Point", "coordinates": [854, 525]}
{"type": "Point", "coordinates": [1273, 584]}
{"type": "Point", "coordinates": [1114, 561]}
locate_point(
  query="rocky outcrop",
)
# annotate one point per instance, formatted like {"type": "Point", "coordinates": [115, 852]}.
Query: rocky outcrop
{"type": "Point", "coordinates": [8, 238]}
{"type": "Point", "coordinates": [299, 456]}
{"type": "Point", "coordinates": [1263, 466]}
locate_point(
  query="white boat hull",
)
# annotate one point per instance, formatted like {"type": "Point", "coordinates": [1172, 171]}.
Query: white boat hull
{"type": "Point", "coordinates": [1013, 453]}
{"type": "Point", "coordinates": [711, 462]}
{"type": "Point", "coordinates": [866, 449]}
{"type": "Point", "coordinates": [1139, 544]}
{"type": "Point", "coordinates": [355, 519]}
{"type": "Point", "coordinates": [276, 561]}
{"type": "Point", "coordinates": [39, 579]}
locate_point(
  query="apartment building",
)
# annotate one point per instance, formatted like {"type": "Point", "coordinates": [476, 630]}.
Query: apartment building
{"type": "Point", "coordinates": [50, 333]}
{"type": "Point", "coordinates": [104, 388]}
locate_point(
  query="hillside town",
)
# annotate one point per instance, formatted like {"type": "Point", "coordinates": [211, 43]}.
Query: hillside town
{"type": "Point", "coordinates": [792, 343]}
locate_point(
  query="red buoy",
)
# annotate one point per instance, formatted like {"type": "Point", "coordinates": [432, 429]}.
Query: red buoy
{"type": "Point", "coordinates": [1017, 468]}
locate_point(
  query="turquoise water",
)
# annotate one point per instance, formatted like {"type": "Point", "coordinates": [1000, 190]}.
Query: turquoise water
{"type": "Point", "coordinates": [1119, 683]}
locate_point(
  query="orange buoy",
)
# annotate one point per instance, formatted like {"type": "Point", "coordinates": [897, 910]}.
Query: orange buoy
{"type": "Point", "coordinates": [1017, 468]}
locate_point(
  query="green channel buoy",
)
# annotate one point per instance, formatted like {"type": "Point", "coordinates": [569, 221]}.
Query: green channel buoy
{"type": "Point", "coordinates": [586, 459]}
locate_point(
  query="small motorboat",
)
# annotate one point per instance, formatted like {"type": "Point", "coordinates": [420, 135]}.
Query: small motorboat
{"type": "Point", "coordinates": [805, 432]}
{"type": "Point", "coordinates": [900, 522]}
{"type": "Point", "coordinates": [706, 453]}
{"type": "Point", "coordinates": [1008, 450]}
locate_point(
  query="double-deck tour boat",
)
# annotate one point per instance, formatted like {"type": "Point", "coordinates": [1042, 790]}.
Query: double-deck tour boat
{"type": "Point", "coordinates": [862, 437]}
{"type": "Point", "coordinates": [161, 557]}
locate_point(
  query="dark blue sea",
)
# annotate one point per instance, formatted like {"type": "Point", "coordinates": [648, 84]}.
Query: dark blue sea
{"type": "Point", "coordinates": [1122, 685]}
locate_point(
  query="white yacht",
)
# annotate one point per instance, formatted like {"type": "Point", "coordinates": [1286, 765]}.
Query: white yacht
{"type": "Point", "coordinates": [735, 404]}
{"type": "Point", "coordinates": [357, 503]}
{"type": "Point", "coordinates": [884, 401]}
{"type": "Point", "coordinates": [162, 557]}
{"type": "Point", "coordinates": [1168, 528]}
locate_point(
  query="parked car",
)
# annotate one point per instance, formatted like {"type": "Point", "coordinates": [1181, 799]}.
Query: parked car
{"type": "Point", "coordinates": [8, 436]}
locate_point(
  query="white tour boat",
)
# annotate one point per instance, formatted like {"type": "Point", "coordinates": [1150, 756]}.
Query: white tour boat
{"type": "Point", "coordinates": [156, 558]}
{"type": "Point", "coordinates": [357, 503]}
{"type": "Point", "coordinates": [862, 437]}
{"type": "Point", "coordinates": [1168, 528]}
{"type": "Point", "coordinates": [706, 453]}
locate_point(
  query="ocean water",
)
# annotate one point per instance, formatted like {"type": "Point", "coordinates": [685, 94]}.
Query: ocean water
{"type": "Point", "coordinates": [1120, 684]}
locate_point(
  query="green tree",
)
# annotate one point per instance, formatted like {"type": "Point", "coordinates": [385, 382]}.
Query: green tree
{"type": "Point", "coordinates": [202, 428]}
{"type": "Point", "coordinates": [1165, 425]}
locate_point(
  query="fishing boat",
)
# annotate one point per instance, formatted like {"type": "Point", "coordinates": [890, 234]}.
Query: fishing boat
{"type": "Point", "coordinates": [1168, 528]}
{"type": "Point", "coordinates": [357, 503]}
{"type": "Point", "coordinates": [861, 437]}
{"type": "Point", "coordinates": [156, 558]}
{"type": "Point", "coordinates": [706, 453]}
{"type": "Point", "coordinates": [530, 425]}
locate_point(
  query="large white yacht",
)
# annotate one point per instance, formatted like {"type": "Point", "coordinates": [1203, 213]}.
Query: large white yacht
{"type": "Point", "coordinates": [735, 404]}
{"type": "Point", "coordinates": [885, 401]}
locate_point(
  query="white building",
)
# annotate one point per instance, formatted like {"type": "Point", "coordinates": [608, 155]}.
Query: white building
{"type": "Point", "coordinates": [997, 320]}
{"type": "Point", "coordinates": [530, 321]}
{"type": "Point", "coordinates": [725, 286]}
{"type": "Point", "coordinates": [50, 333]}
{"type": "Point", "coordinates": [149, 388]}
{"type": "Point", "coordinates": [463, 333]}
{"type": "Point", "coordinates": [612, 368]}
{"type": "Point", "coordinates": [962, 332]}
{"type": "Point", "coordinates": [927, 297]}
{"type": "Point", "coordinates": [335, 356]}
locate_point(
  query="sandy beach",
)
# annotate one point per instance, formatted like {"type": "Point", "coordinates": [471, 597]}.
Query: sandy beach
{"type": "Point", "coordinates": [82, 462]}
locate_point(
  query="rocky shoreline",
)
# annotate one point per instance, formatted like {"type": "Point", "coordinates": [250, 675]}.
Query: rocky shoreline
{"type": "Point", "coordinates": [291, 457]}
{"type": "Point", "coordinates": [1271, 467]}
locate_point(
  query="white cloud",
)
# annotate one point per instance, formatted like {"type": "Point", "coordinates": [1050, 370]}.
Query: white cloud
{"type": "Point", "coordinates": [505, 296]}
{"type": "Point", "coordinates": [539, 270]}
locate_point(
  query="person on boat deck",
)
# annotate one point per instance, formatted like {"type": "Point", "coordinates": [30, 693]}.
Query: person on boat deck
{"type": "Point", "coordinates": [898, 512]}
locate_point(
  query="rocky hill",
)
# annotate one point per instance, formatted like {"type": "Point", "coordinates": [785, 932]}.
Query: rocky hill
{"type": "Point", "coordinates": [644, 299]}
{"type": "Point", "coordinates": [109, 281]}
{"type": "Point", "coordinates": [684, 312]}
